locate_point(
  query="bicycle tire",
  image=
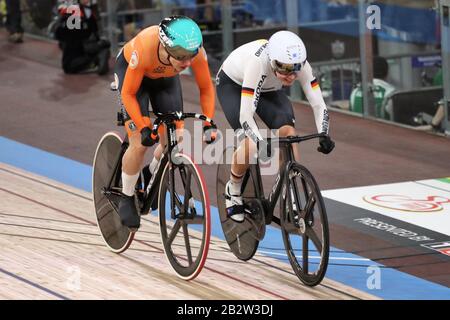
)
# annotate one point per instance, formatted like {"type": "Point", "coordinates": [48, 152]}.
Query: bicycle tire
{"type": "Point", "coordinates": [305, 226]}
{"type": "Point", "coordinates": [116, 236]}
{"type": "Point", "coordinates": [188, 258]}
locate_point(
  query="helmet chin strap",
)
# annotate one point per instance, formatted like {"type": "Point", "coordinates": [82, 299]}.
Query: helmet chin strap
{"type": "Point", "coordinates": [167, 52]}
{"type": "Point", "coordinates": [168, 58]}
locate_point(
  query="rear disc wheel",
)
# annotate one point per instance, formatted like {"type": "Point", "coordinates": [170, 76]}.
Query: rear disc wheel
{"type": "Point", "coordinates": [116, 236]}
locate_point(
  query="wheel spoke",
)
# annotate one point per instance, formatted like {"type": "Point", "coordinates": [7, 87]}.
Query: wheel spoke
{"type": "Point", "coordinates": [296, 193]}
{"type": "Point", "coordinates": [290, 228]}
{"type": "Point", "coordinates": [309, 206]}
{"type": "Point", "coordinates": [290, 209]}
{"type": "Point", "coordinates": [173, 232]}
{"type": "Point", "coordinates": [178, 201]}
{"type": "Point", "coordinates": [187, 188]}
{"type": "Point", "coordinates": [187, 243]}
{"type": "Point", "coordinates": [196, 220]}
{"type": "Point", "coordinates": [172, 191]}
{"type": "Point", "coordinates": [310, 233]}
{"type": "Point", "coordinates": [305, 254]}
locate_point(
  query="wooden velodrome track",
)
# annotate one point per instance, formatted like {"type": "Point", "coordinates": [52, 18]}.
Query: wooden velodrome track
{"type": "Point", "coordinates": [47, 233]}
{"type": "Point", "coordinates": [51, 249]}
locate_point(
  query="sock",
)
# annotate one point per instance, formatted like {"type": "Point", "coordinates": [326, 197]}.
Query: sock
{"type": "Point", "coordinates": [236, 183]}
{"type": "Point", "coordinates": [235, 188]}
{"type": "Point", "coordinates": [129, 183]}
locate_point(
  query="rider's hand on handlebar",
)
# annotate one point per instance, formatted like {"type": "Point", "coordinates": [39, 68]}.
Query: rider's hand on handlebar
{"type": "Point", "coordinates": [209, 133]}
{"type": "Point", "coordinates": [326, 145]}
{"type": "Point", "coordinates": [147, 139]}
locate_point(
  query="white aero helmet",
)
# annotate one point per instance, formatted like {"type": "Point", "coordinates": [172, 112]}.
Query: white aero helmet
{"type": "Point", "coordinates": [287, 52]}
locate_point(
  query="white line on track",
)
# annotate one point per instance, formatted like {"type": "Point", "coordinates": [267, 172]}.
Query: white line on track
{"type": "Point", "coordinates": [315, 257]}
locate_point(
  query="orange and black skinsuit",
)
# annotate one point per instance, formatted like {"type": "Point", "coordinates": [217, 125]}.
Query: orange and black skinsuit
{"type": "Point", "coordinates": [142, 77]}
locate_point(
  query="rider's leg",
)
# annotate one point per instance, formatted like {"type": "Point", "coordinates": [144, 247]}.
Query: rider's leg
{"type": "Point", "coordinates": [276, 111]}
{"type": "Point", "coordinates": [132, 163]}
{"type": "Point", "coordinates": [229, 95]}
{"type": "Point", "coordinates": [166, 97]}
{"type": "Point", "coordinates": [131, 166]}
{"type": "Point", "coordinates": [286, 131]}
{"type": "Point", "coordinates": [157, 154]}
{"type": "Point", "coordinates": [241, 160]}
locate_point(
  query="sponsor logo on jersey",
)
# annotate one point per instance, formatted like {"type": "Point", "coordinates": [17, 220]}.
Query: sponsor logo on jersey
{"type": "Point", "coordinates": [325, 121]}
{"type": "Point", "coordinates": [134, 60]}
{"type": "Point", "coordinates": [260, 50]}
{"type": "Point", "coordinates": [407, 203]}
{"type": "Point", "coordinates": [258, 90]}
{"type": "Point", "coordinates": [442, 247]}
{"type": "Point", "coordinates": [160, 69]}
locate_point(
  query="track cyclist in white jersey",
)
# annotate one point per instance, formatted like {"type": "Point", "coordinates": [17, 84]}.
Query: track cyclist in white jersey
{"type": "Point", "coordinates": [251, 80]}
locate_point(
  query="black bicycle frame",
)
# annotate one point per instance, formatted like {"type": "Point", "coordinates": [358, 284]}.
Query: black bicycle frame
{"type": "Point", "coordinates": [169, 121]}
{"type": "Point", "coordinates": [289, 160]}
{"type": "Point", "coordinates": [166, 157]}
{"type": "Point", "coordinates": [255, 172]}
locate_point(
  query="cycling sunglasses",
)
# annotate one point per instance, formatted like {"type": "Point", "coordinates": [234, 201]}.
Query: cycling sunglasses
{"type": "Point", "coordinates": [286, 68]}
{"type": "Point", "coordinates": [181, 54]}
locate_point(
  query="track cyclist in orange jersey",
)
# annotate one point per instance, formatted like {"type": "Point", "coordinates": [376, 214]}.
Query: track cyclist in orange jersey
{"type": "Point", "coordinates": [146, 72]}
{"type": "Point", "coordinates": [250, 81]}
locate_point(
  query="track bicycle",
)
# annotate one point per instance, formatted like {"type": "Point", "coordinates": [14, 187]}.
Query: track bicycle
{"type": "Point", "coordinates": [303, 219]}
{"type": "Point", "coordinates": [178, 191]}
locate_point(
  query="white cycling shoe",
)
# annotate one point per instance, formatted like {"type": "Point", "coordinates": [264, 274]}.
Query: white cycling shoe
{"type": "Point", "coordinates": [234, 205]}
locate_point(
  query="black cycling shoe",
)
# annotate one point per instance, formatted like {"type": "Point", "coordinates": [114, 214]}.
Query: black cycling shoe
{"type": "Point", "coordinates": [128, 212]}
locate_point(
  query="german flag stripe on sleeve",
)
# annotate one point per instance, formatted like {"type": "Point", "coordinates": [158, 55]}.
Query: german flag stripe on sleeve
{"type": "Point", "coordinates": [315, 84]}
{"type": "Point", "coordinates": [248, 92]}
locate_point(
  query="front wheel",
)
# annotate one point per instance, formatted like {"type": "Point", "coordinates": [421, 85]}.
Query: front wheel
{"type": "Point", "coordinates": [304, 226]}
{"type": "Point", "coordinates": [184, 216]}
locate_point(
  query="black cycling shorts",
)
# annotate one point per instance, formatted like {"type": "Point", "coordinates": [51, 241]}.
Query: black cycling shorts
{"type": "Point", "coordinates": [274, 107]}
{"type": "Point", "coordinates": [164, 94]}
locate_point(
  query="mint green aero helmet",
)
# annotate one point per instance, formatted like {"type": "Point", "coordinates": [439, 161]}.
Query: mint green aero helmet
{"type": "Point", "coordinates": [181, 37]}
